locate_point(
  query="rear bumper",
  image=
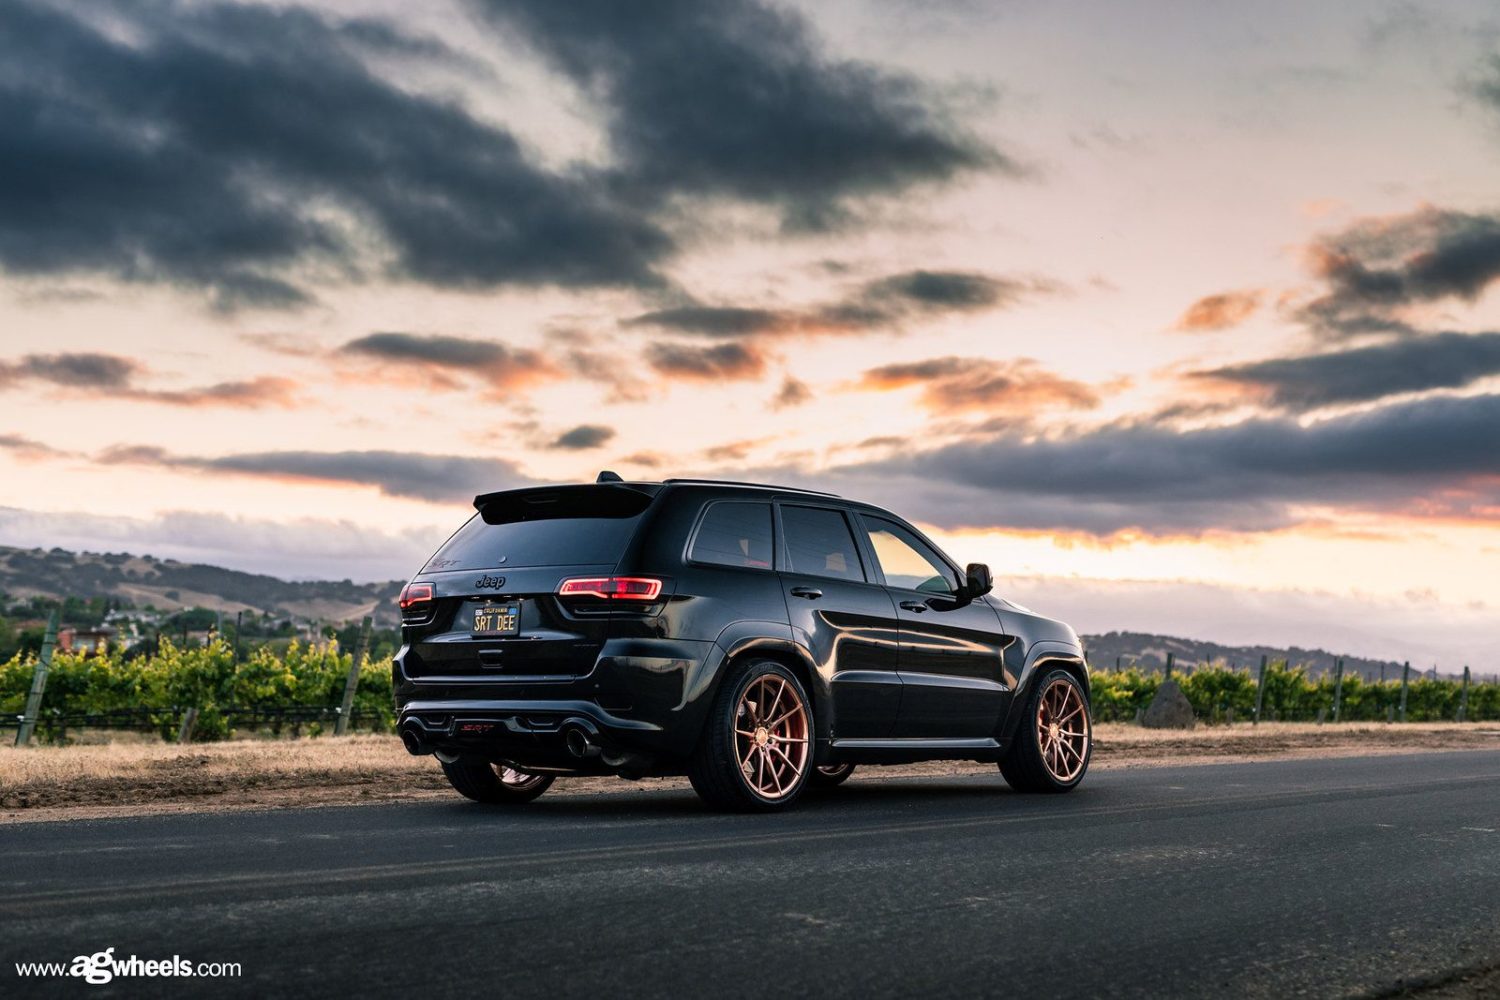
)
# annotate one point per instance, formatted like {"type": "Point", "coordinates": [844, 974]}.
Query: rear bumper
{"type": "Point", "coordinates": [640, 696]}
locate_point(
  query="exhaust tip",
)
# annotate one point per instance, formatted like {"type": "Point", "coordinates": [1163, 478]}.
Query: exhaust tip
{"type": "Point", "coordinates": [413, 742]}
{"type": "Point", "coordinates": [580, 743]}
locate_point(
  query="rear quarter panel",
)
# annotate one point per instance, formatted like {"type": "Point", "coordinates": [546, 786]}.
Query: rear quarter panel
{"type": "Point", "coordinates": [723, 610]}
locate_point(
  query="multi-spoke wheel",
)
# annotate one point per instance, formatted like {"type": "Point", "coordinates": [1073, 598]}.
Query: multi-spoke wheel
{"type": "Point", "coordinates": [756, 750]}
{"type": "Point", "coordinates": [829, 775]}
{"type": "Point", "coordinates": [1052, 746]}
{"type": "Point", "coordinates": [494, 783]}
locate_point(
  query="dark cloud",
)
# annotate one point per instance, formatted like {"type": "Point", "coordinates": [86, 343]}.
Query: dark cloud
{"type": "Point", "coordinates": [250, 394]}
{"type": "Point", "coordinates": [77, 371]}
{"type": "Point", "coordinates": [793, 392]}
{"type": "Point", "coordinates": [27, 448]}
{"type": "Point", "coordinates": [1221, 311]}
{"type": "Point", "coordinates": [436, 478]}
{"type": "Point", "coordinates": [717, 321]}
{"type": "Point", "coordinates": [1487, 87]}
{"type": "Point", "coordinates": [719, 361]}
{"type": "Point", "coordinates": [956, 385]}
{"type": "Point", "coordinates": [1438, 455]}
{"type": "Point", "coordinates": [583, 437]}
{"type": "Point", "coordinates": [109, 376]}
{"type": "Point", "coordinates": [734, 451]}
{"type": "Point", "coordinates": [1432, 361]}
{"type": "Point", "coordinates": [958, 290]}
{"type": "Point", "coordinates": [736, 98]}
{"type": "Point", "coordinates": [617, 373]}
{"type": "Point", "coordinates": [496, 363]}
{"type": "Point", "coordinates": [236, 149]}
{"type": "Point", "coordinates": [646, 459]}
{"type": "Point", "coordinates": [884, 304]}
{"type": "Point", "coordinates": [1376, 267]}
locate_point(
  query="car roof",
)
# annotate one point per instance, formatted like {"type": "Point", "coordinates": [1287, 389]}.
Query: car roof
{"type": "Point", "coordinates": [750, 486]}
{"type": "Point", "coordinates": [796, 491]}
{"type": "Point", "coordinates": [609, 480]}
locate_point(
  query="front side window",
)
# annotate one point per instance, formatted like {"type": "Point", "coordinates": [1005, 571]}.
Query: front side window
{"type": "Point", "coordinates": [907, 562]}
{"type": "Point", "coordinates": [734, 534]}
{"type": "Point", "coordinates": [818, 543]}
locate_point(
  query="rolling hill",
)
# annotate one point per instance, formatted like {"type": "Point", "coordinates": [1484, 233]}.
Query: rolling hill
{"type": "Point", "coordinates": [1149, 652]}
{"type": "Point", "coordinates": [170, 585]}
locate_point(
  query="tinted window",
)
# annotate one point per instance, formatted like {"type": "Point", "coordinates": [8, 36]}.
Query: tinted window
{"type": "Point", "coordinates": [907, 561]}
{"type": "Point", "coordinates": [560, 541]}
{"type": "Point", "coordinates": [734, 534]}
{"type": "Point", "coordinates": [818, 543]}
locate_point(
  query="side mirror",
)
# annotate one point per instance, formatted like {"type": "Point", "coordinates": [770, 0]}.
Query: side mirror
{"type": "Point", "coordinates": [978, 581]}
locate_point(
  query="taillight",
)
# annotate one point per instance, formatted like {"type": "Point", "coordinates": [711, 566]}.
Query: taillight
{"type": "Point", "coordinates": [617, 588]}
{"type": "Point", "coordinates": [415, 593]}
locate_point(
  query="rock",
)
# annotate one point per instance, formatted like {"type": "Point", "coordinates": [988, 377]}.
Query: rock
{"type": "Point", "coordinates": [1170, 709]}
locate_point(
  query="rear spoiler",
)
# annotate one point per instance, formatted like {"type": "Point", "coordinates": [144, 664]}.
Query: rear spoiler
{"type": "Point", "coordinates": [540, 503]}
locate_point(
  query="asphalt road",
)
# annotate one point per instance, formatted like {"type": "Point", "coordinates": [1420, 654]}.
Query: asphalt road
{"type": "Point", "coordinates": [1324, 878]}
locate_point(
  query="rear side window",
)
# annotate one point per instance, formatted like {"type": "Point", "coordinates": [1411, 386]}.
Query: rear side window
{"type": "Point", "coordinates": [818, 543]}
{"type": "Point", "coordinates": [734, 534]}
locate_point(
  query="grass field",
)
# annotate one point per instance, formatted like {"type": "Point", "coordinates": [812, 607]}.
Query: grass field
{"type": "Point", "coordinates": [135, 776]}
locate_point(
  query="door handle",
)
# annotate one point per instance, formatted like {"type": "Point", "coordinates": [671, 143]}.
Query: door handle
{"type": "Point", "coordinates": [916, 606]}
{"type": "Point", "coordinates": [811, 593]}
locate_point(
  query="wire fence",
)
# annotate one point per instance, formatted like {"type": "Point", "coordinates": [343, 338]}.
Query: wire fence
{"type": "Point", "coordinates": [53, 726]}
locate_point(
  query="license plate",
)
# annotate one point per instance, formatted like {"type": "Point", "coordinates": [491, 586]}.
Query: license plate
{"type": "Point", "coordinates": [497, 619]}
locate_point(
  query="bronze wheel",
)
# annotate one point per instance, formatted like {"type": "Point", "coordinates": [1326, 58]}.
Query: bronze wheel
{"type": "Point", "coordinates": [756, 750]}
{"type": "Point", "coordinates": [1052, 746]}
{"type": "Point", "coordinates": [1062, 728]}
{"type": "Point", "coordinates": [829, 775]}
{"type": "Point", "coordinates": [771, 736]}
{"type": "Point", "coordinates": [515, 778]}
{"type": "Point", "coordinates": [483, 781]}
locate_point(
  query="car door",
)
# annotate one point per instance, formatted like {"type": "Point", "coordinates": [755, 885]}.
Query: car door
{"type": "Point", "coordinates": [843, 616]}
{"type": "Point", "coordinates": [950, 661]}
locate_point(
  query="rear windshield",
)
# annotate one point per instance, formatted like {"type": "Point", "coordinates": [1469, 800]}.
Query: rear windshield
{"type": "Point", "coordinates": [562, 541]}
{"type": "Point", "coordinates": [545, 526]}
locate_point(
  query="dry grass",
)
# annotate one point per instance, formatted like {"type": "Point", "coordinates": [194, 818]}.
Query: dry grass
{"type": "Point", "coordinates": [131, 772]}
{"type": "Point", "coordinates": [133, 777]}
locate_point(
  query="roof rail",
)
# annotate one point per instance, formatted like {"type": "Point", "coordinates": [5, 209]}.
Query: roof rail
{"type": "Point", "coordinates": [758, 486]}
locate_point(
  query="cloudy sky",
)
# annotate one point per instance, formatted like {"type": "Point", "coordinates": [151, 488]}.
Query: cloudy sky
{"type": "Point", "coordinates": [1183, 317]}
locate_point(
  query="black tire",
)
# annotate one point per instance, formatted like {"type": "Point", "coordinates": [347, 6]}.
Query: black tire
{"type": "Point", "coordinates": [829, 775]}
{"type": "Point", "coordinates": [715, 769]}
{"type": "Point", "coordinates": [483, 782]}
{"type": "Point", "coordinates": [1031, 765]}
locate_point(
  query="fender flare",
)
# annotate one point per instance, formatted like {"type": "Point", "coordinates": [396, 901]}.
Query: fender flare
{"type": "Point", "coordinates": [1042, 653]}
{"type": "Point", "coordinates": [778, 640]}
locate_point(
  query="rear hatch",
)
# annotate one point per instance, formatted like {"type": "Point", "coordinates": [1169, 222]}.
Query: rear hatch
{"type": "Point", "coordinates": [495, 607]}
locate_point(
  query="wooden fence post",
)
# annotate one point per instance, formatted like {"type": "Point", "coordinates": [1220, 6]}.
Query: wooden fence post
{"type": "Point", "coordinates": [239, 620]}
{"type": "Point", "coordinates": [189, 723]}
{"type": "Point", "coordinates": [1338, 687]}
{"type": "Point", "coordinates": [38, 682]}
{"type": "Point", "coordinates": [341, 726]}
{"type": "Point", "coordinates": [1260, 690]}
{"type": "Point", "coordinates": [1168, 675]}
{"type": "Point", "coordinates": [1405, 680]}
{"type": "Point", "coordinates": [1463, 698]}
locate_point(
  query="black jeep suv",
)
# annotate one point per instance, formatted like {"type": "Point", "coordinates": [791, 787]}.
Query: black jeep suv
{"type": "Point", "coordinates": [758, 639]}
